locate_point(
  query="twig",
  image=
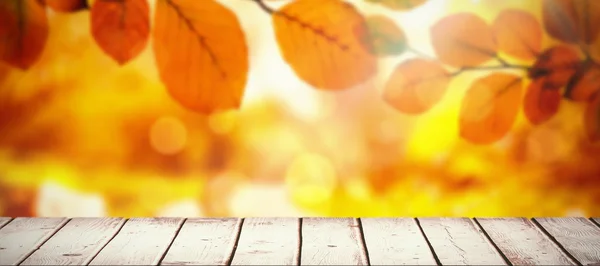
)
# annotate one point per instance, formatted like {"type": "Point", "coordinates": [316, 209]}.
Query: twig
{"type": "Point", "coordinates": [503, 66]}
{"type": "Point", "coordinates": [264, 6]}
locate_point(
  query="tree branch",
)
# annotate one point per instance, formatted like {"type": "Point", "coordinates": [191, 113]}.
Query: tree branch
{"type": "Point", "coordinates": [503, 66]}
{"type": "Point", "coordinates": [264, 6]}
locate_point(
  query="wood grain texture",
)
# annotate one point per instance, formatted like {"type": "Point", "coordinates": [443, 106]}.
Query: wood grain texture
{"type": "Point", "coordinates": [396, 241]}
{"type": "Point", "coordinates": [522, 242]}
{"type": "Point", "coordinates": [4, 221]}
{"type": "Point", "coordinates": [268, 241]}
{"type": "Point", "coordinates": [204, 241]}
{"type": "Point", "coordinates": [22, 236]}
{"type": "Point", "coordinates": [141, 241]}
{"type": "Point", "coordinates": [332, 241]}
{"type": "Point", "coordinates": [578, 236]}
{"type": "Point", "coordinates": [459, 241]}
{"type": "Point", "coordinates": [76, 243]}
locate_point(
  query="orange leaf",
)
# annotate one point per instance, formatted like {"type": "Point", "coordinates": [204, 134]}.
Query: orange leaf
{"type": "Point", "coordinates": [463, 39]}
{"type": "Point", "coordinates": [23, 32]}
{"type": "Point", "coordinates": [416, 85]}
{"type": "Point", "coordinates": [201, 54]}
{"type": "Point", "coordinates": [385, 36]}
{"type": "Point", "coordinates": [572, 20]}
{"type": "Point", "coordinates": [399, 5]}
{"type": "Point", "coordinates": [592, 118]}
{"type": "Point", "coordinates": [67, 5]}
{"type": "Point", "coordinates": [490, 108]}
{"type": "Point", "coordinates": [558, 64]}
{"type": "Point", "coordinates": [541, 101]}
{"type": "Point", "coordinates": [518, 34]}
{"type": "Point", "coordinates": [325, 42]}
{"type": "Point", "coordinates": [584, 84]}
{"type": "Point", "coordinates": [121, 28]}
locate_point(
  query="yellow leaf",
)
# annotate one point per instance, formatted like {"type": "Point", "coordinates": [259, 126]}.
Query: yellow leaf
{"type": "Point", "coordinates": [400, 5]}
{"type": "Point", "coordinates": [385, 36]}
{"type": "Point", "coordinates": [416, 85]}
{"type": "Point", "coordinates": [201, 54]}
{"type": "Point", "coordinates": [325, 42]}
{"type": "Point", "coordinates": [490, 108]}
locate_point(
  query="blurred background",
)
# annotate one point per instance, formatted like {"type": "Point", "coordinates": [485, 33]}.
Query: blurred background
{"type": "Point", "coordinates": [82, 136]}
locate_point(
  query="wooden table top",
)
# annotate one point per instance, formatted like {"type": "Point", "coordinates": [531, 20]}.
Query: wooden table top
{"type": "Point", "coordinates": [299, 241]}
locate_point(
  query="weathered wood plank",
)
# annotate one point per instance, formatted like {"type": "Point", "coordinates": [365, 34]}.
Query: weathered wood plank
{"type": "Point", "coordinates": [396, 241]}
{"type": "Point", "coordinates": [4, 220]}
{"type": "Point", "coordinates": [332, 241]}
{"type": "Point", "coordinates": [268, 241]}
{"type": "Point", "coordinates": [141, 241]}
{"type": "Point", "coordinates": [522, 242]}
{"type": "Point", "coordinates": [77, 242]}
{"type": "Point", "coordinates": [459, 241]}
{"type": "Point", "coordinates": [204, 241]}
{"type": "Point", "coordinates": [22, 236]}
{"type": "Point", "coordinates": [577, 235]}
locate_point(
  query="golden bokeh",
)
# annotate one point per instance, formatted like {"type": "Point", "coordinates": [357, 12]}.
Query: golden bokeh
{"type": "Point", "coordinates": [82, 136]}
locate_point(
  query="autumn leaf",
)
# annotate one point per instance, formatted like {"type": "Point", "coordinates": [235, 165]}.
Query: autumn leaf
{"type": "Point", "coordinates": [201, 54]}
{"type": "Point", "coordinates": [23, 31]}
{"type": "Point", "coordinates": [386, 37]}
{"type": "Point", "coordinates": [400, 5]}
{"type": "Point", "coordinates": [416, 85]}
{"type": "Point", "coordinates": [490, 108]}
{"type": "Point", "coordinates": [325, 42]}
{"type": "Point", "coordinates": [67, 5]}
{"type": "Point", "coordinates": [558, 64]}
{"type": "Point", "coordinates": [572, 21]}
{"type": "Point", "coordinates": [592, 118]}
{"type": "Point", "coordinates": [121, 28]}
{"type": "Point", "coordinates": [541, 101]}
{"type": "Point", "coordinates": [463, 39]}
{"type": "Point", "coordinates": [584, 84]}
{"type": "Point", "coordinates": [518, 34]}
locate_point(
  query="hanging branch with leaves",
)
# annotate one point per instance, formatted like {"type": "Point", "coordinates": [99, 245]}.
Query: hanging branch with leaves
{"type": "Point", "coordinates": [202, 55]}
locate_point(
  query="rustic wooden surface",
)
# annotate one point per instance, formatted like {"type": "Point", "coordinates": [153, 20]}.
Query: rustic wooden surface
{"type": "Point", "coordinates": [300, 241]}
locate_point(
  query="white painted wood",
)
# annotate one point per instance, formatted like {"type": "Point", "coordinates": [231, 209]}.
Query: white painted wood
{"type": "Point", "coordinates": [141, 241]}
{"type": "Point", "coordinates": [268, 241]}
{"type": "Point", "coordinates": [4, 220]}
{"type": "Point", "coordinates": [22, 236]}
{"type": "Point", "coordinates": [522, 243]}
{"type": "Point", "coordinates": [76, 243]}
{"type": "Point", "coordinates": [332, 241]}
{"type": "Point", "coordinates": [395, 241]}
{"type": "Point", "coordinates": [204, 241]}
{"type": "Point", "coordinates": [459, 241]}
{"type": "Point", "coordinates": [579, 236]}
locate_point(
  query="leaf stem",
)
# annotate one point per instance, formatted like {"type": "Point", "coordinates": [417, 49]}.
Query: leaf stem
{"type": "Point", "coordinates": [419, 53]}
{"type": "Point", "coordinates": [503, 66]}
{"type": "Point", "coordinates": [264, 6]}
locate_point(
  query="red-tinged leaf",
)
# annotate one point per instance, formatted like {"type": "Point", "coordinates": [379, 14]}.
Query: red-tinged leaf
{"type": "Point", "coordinates": [416, 85]}
{"type": "Point", "coordinates": [201, 54]}
{"type": "Point", "coordinates": [490, 108]}
{"type": "Point", "coordinates": [558, 64]}
{"type": "Point", "coordinates": [463, 39]}
{"type": "Point", "coordinates": [518, 33]}
{"type": "Point", "coordinates": [23, 32]}
{"type": "Point", "coordinates": [572, 21]}
{"type": "Point", "coordinates": [67, 5]}
{"type": "Point", "coordinates": [121, 28]}
{"type": "Point", "coordinates": [592, 118]}
{"type": "Point", "coordinates": [541, 101]}
{"type": "Point", "coordinates": [584, 84]}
